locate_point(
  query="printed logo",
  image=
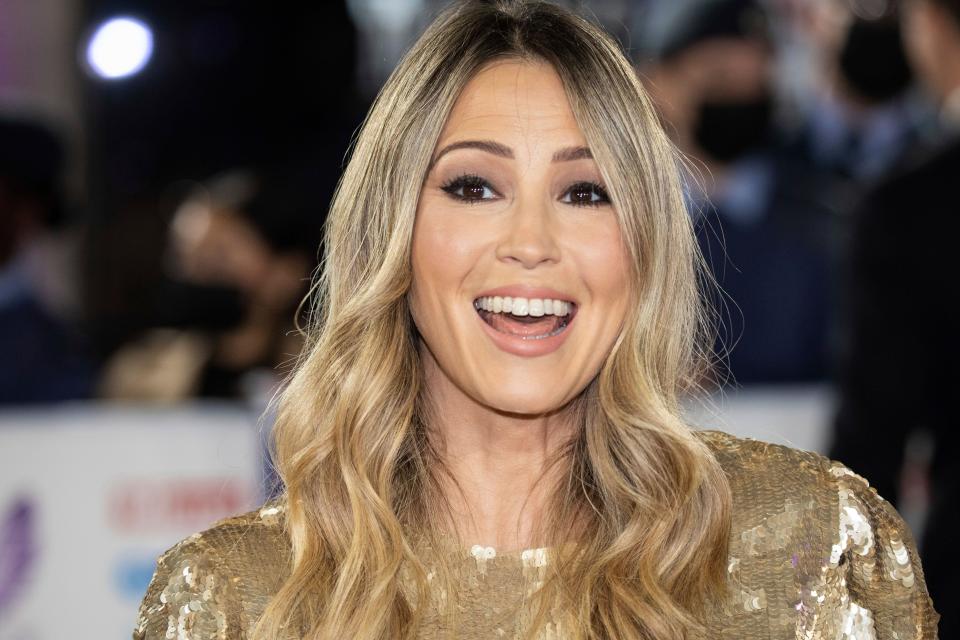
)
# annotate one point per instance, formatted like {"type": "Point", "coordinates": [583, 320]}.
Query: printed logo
{"type": "Point", "coordinates": [181, 505]}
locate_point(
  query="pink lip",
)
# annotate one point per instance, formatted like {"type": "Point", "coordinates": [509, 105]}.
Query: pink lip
{"type": "Point", "coordinates": [526, 291]}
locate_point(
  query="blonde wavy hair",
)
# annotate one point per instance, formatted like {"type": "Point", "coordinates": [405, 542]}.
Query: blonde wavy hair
{"type": "Point", "coordinates": [351, 440]}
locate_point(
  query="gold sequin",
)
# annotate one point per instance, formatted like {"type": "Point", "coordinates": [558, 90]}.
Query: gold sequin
{"type": "Point", "coordinates": [773, 533]}
{"type": "Point", "coordinates": [190, 598]}
{"type": "Point", "coordinates": [815, 554]}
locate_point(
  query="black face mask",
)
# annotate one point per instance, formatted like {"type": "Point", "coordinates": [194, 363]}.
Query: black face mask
{"type": "Point", "coordinates": [872, 59]}
{"type": "Point", "coordinates": [728, 130]}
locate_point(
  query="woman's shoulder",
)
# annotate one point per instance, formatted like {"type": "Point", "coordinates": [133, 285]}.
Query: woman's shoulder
{"type": "Point", "coordinates": [770, 480]}
{"type": "Point", "coordinates": [734, 452]}
{"type": "Point", "coordinates": [755, 465]}
{"type": "Point", "coordinates": [801, 517]}
{"type": "Point", "coordinates": [215, 583]}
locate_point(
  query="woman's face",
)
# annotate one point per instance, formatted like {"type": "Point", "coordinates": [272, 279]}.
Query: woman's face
{"type": "Point", "coordinates": [514, 207]}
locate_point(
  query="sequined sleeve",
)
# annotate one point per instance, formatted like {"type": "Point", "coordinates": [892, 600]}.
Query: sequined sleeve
{"type": "Point", "coordinates": [884, 575]}
{"type": "Point", "coordinates": [189, 597]}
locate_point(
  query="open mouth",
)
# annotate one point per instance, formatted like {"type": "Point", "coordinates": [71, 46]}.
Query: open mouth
{"type": "Point", "coordinates": [526, 319]}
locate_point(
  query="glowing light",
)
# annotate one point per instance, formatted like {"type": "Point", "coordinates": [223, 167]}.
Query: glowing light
{"type": "Point", "coordinates": [119, 48]}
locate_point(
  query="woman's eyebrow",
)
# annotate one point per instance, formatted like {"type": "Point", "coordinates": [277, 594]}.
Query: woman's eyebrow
{"type": "Point", "coordinates": [561, 155]}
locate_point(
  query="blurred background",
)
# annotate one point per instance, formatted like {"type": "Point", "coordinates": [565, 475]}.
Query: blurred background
{"type": "Point", "coordinates": [165, 169]}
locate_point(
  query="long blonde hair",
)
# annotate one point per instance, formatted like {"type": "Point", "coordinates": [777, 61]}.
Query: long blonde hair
{"type": "Point", "coordinates": [350, 437]}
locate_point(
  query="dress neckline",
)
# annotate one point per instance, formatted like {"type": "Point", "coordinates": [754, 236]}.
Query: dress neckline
{"type": "Point", "coordinates": [484, 554]}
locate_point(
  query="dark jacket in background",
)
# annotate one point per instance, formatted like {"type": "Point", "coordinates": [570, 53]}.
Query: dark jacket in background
{"type": "Point", "coordinates": [899, 371]}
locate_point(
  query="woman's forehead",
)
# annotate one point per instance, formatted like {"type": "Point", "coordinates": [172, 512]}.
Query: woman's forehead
{"type": "Point", "coordinates": [513, 99]}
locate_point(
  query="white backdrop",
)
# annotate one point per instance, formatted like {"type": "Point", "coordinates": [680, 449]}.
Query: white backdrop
{"type": "Point", "coordinates": [90, 495]}
{"type": "Point", "coordinates": [797, 416]}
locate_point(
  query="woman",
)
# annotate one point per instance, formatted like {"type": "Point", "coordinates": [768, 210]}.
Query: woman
{"type": "Point", "coordinates": [482, 437]}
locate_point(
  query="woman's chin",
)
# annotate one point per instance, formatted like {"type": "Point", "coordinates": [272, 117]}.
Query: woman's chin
{"type": "Point", "coordinates": [531, 400]}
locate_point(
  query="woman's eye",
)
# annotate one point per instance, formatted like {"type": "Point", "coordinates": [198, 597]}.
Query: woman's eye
{"type": "Point", "coordinates": [587, 194]}
{"type": "Point", "coordinates": [468, 188]}
{"type": "Point", "coordinates": [473, 189]}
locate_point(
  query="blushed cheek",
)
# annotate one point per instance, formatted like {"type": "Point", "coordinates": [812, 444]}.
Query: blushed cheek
{"type": "Point", "coordinates": [449, 245]}
{"type": "Point", "coordinates": [606, 263]}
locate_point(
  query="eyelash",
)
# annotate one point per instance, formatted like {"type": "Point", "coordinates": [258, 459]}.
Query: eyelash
{"type": "Point", "coordinates": [472, 180]}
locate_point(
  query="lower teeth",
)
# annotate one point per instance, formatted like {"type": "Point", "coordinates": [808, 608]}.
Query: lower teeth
{"type": "Point", "coordinates": [563, 325]}
{"type": "Point", "coordinates": [547, 335]}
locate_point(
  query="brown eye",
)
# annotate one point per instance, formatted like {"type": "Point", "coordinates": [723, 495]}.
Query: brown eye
{"type": "Point", "coordinates": [468, 188]}
{"type": "Point", "coordinates": [587, 194]}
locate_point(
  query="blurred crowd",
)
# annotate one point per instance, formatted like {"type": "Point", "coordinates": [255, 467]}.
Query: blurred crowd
{"type": "Point", "coordinates": [823, 139]}
{"type": "Point", "coordinates": [155, 307]}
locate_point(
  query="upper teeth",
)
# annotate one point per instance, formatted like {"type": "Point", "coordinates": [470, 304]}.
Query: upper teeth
{"type": "Point", "coordinates": [523, 306]}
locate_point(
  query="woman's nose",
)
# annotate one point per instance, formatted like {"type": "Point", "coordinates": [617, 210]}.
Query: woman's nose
{"type": "Point", "coordinates": [530, 234]}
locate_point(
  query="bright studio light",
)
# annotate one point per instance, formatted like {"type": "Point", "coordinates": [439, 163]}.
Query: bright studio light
{"type": "Point", "coordinates": [120, 47]}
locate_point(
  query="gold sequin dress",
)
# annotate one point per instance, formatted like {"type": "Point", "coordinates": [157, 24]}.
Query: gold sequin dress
{"type": "Point", "coordinates": [815, 554]}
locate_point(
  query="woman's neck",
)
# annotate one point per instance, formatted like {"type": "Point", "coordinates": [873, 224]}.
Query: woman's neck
{"type": "Point", "coordinates": [501, 464]}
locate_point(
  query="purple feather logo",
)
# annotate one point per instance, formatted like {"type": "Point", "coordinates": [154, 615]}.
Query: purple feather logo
{"type": "Point", "coordinates": [17, 551]}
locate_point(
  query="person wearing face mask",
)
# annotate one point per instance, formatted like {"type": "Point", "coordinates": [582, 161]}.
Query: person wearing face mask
{"type": "Point", "coordinates": [769, 235]}
{"type": "Point", "coordinates": [483, 436]}
{"type": "Point", "coordinates": [710, 78]}
{"type": "Point", "coordinates": [234, 260]}
{"type": "Point", "coordinates": [859, 116]}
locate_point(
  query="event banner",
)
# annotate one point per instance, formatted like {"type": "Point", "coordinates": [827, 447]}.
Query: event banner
{"type": "Point", "coordinates": [91, 494]}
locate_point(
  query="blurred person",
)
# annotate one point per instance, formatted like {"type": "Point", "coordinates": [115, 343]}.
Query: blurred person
{"type": "Point", "coordinates": [769, 237]}
{"type": "Point", "coordinates": [859, 115]}
{"type": "Point", "coordinates": [47, 356]}
{"type": "Point", "coordinates": [483, 436]}
{"type": "Point", "coordinates": [243, 237]}
{"type": "Point", "coordinates": [899, 367]}
{"type": "Point", "coordinates": [232, 87]}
